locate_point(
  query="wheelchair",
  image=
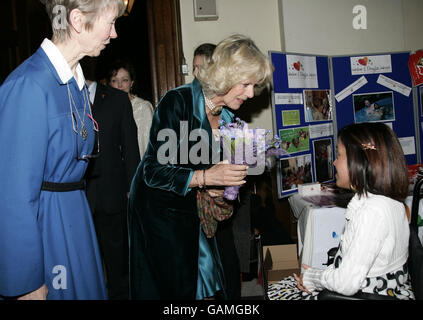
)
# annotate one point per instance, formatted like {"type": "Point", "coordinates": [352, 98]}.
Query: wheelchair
{"type": "Point", "coordinates": [415, 260]}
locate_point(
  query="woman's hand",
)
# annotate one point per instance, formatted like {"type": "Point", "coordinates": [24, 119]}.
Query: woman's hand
{"type": "Point", "coordinates": [226, 174]}
{"type": "Point", "coordinates": [299, 280]}
{"type": "Point", "coordinates": [39, 294]}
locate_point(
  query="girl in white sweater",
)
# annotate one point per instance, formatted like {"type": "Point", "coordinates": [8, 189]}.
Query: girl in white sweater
{"type": "Point", "coordinates": [373, 250]}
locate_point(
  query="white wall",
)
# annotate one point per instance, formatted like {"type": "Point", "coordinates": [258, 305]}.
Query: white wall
{"type": "Point", "coordinates": [258, 19]}
{"type": "Point", "coordinates": [325, 27]}
{"type": "Point", "coordinates": [307, 26]}
{"type": "Point", "coordinates": [413, 24]}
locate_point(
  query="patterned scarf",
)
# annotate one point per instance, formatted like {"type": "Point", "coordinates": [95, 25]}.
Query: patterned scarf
{"type": "Point", "coordinates": [211, 210]}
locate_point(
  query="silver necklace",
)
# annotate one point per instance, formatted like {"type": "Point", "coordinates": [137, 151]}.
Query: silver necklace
{"type": "Point", "coordinates": [83, 132]}
{"type": "Point", "coordinates": [213, 109]}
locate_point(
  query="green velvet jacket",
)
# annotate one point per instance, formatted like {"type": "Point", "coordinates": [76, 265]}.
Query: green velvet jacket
{"type": "Point", "coordinates": [162, 212]}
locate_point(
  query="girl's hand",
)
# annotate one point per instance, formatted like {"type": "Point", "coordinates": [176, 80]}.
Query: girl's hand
{"type": "Point", "coordinates": [299, 280]}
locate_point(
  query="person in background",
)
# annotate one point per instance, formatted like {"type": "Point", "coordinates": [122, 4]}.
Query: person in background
{"type": "Point", "coordinates": [173, 253]}
{"type": "Point", "coordinates": [109, 177]}
{"type": "Point", "coordinates": [121, 76]}
{"type": "Point", "coordinates": [373, 250]}
{"type": "Point", "coordinates": [317, 109]}
{"type": "Point", "coordinates": [48, 247]}
{"type": "Point", "coordinates": [202, 55]}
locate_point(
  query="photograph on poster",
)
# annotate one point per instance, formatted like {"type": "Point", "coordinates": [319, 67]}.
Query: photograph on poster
{"type": "Point", "coordinates": [290, 118]}
{"type": "Point", "coordinates": [295, 139]}
{"type": "Point", "coordinates": [316, 105]}
{"type": "Point", "coordinates": [323, 164]}
{"type": "Point", "coordinates": [374, 107]}
{"type": "Point", "coordinates": [295, 171]}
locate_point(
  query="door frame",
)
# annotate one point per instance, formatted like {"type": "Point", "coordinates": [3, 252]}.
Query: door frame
{"type": "Point", "coordinates": [165, 45]}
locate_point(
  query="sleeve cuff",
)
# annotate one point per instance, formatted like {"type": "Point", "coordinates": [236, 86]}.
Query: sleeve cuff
{"type": "Point", "coordinates": [312, 279]}
{"type": "Point", "coordinates": [187, 188]}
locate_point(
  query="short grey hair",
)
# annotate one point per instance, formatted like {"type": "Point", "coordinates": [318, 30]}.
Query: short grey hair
{"type": "Point", "coordinates": [58, 10]}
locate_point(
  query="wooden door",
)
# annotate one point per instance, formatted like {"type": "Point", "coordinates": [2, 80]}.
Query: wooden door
{"type": "Point", "coordinates": [165, 45]}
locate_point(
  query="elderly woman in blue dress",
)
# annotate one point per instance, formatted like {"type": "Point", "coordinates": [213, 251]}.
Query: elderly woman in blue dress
{"type": "Point", "coordinates": [48, 247]}
{"type": "Point", "coordinates": [172, 254]}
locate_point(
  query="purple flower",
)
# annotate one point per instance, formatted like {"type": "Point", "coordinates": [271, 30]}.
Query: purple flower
{"type": "Point", "coordinates": [242, 145]}
{"type": "Point", "coordinates": [231, 192]}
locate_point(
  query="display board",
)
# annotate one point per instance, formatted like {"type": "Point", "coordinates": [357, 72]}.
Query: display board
{"type": "Point", "coordinates": [418, 101]}
{"type": "Point", "coordinates": [315, 96]}
{"type": "Point", "coordinates": [377, 88]}
{"type": "Point", "coordinates": [303, 119]}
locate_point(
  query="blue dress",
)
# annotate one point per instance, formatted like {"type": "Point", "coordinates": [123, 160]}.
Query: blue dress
{"type": "Point", "coordinates": [45, 237]}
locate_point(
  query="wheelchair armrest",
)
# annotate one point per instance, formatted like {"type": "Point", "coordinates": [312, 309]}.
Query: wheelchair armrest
{"type": "Point", "coordinates": [331, 295]}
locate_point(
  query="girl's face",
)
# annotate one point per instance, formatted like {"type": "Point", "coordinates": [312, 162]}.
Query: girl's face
{"type": "Point", "coordinates": [341, 165]}
{"type": "Point", "coordinates": [121, 80]}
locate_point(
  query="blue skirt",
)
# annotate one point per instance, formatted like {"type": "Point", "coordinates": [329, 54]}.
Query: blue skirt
{"type": "Point", "coordinates": [210, 270]}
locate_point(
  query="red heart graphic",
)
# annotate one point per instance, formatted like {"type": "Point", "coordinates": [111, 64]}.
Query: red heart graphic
{"type": "Point", "coordinates": [297, 65]}
{"type": "Point", "coordinates": [363, 61]}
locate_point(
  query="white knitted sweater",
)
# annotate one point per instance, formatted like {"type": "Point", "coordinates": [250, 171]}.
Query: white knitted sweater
{"type": "Point", "coordinates": [374, 242]}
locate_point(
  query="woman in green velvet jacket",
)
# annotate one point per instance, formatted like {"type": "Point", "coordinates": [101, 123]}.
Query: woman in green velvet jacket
{"type": "Point", "coordinates": [170, 255]}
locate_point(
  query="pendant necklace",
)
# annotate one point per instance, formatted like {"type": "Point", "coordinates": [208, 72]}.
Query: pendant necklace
{"type": "Point", "coordinates": [83, 132]}
{"type": "Point", "coordinates": [214, 110]}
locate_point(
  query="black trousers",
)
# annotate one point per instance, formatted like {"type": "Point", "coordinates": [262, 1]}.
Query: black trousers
{"type": "Point", "coordinates": [112, 235]}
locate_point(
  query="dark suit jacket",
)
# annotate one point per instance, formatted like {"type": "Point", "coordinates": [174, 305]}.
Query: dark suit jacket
{"type": "Point", "coordinates": [109, 176]}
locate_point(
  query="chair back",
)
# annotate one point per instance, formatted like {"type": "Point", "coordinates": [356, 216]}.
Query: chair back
{"type": "Point", "coordinates": [415, 259]}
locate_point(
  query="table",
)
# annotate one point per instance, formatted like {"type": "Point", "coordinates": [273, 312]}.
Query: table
{"type": "Point", "coordinates": [319, 227]}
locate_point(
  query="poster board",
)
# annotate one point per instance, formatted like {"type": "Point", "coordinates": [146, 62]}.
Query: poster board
{"type": "Point", "coordinates": [347, 81]}
{"type": "Point", "coordinates": [418, 101]}
{"type": "Point", "coordinates": [377, 88]}
{"type": "Point", "coordinates": [302, 105]}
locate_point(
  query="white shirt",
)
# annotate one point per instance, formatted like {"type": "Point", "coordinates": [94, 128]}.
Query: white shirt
{"type": "Point", "coordinates": [61, 65]}
{"type": "Point", "coordinates": [375, 242]}
{"type": "Point", "coordinates": [91, 89]}
{"type": "Point", "coordinates": [143, 116]}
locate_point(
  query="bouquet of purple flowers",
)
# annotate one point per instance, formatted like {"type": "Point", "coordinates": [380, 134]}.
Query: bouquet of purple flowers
{"type": "Point", "coordinates": [256, 148]}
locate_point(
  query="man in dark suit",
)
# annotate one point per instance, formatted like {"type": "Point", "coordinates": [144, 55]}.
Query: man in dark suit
{"type": "Point", "coordinates": [109, 177]}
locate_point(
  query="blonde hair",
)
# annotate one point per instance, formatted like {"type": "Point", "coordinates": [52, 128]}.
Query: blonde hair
{"type": "Point", "coordinates": [234, 60]}
{"type": "Point", "coordinates": [91, 8]}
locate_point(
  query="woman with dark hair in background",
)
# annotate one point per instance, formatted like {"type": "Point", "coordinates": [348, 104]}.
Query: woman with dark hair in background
{"type": "Point", "coordinates": [122, 76]}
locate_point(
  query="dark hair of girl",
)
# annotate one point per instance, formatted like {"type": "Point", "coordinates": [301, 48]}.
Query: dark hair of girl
{"type": "Point", "coordinates": [376, 161]}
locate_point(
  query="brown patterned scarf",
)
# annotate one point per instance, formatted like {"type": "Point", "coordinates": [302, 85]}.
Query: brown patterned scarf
{"type": "Point", "coordinates": [211, 210]}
